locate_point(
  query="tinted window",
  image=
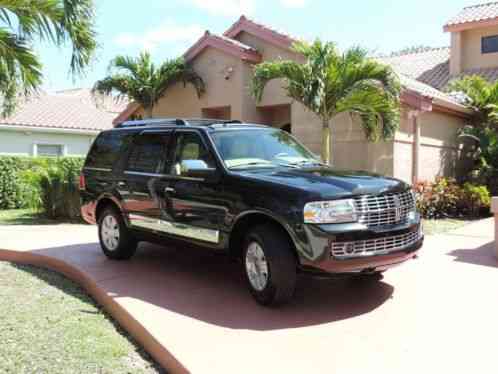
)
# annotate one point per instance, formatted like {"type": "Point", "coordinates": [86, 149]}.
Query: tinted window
{"type": "Point", "coordinates": [106, 149]}
{"type": "Point", "coordinates": [189, 146]}
{"type": "Point", "coordinates": [490, 44]}
{"type": "Point", "coordinates": [147, 152]}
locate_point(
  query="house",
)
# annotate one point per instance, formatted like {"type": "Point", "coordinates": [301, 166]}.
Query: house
{"type": "Point", "coordinates": [63, 123]}
{"type": "Point", "coordinates": [426, 144]}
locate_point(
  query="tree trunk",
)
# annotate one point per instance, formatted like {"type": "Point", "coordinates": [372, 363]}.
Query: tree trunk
{"type": "Point", "coordinates": [326, 142]}
{"type": "Point", "coordinates": [148, 112]}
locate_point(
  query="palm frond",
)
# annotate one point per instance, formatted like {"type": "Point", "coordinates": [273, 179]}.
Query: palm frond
{"type": "Point", "coordinates": [138, 79]}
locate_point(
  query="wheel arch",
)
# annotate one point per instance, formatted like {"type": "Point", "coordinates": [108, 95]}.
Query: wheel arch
{"type": "Point", "coordinates": [106, 201]}
{"type": "Point", "coordinates": [245, 221]}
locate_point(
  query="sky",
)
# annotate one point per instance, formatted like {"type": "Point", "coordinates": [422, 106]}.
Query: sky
{"type": "Point", "coordinates": [166, 28]}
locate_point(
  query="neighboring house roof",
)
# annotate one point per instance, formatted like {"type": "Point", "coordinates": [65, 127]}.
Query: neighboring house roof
{"type": "Point", "coordinates": [66, 110]}
{"type": "Point", "coordinates": [473, 16]}
{"type": "Point", "coordinates": [225, 44]}
{"type": "Point", "coordinates": [266, 33]}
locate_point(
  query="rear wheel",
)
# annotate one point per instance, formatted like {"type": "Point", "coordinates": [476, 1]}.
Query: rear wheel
{"type": "Point", "coordinates": [270, 266]}
{"type": "Point", "coordinates": [116, 240]}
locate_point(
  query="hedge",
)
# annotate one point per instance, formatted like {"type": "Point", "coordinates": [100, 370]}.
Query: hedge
{"type": "Point", "coordinates": [46, 184]}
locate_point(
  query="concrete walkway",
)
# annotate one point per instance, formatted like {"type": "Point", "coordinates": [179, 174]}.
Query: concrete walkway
{"type": "Point", "coordinates": [191, 310]}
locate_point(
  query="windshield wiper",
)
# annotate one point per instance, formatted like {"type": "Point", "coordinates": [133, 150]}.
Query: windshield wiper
{"type": "Point", "coordinates": [255, 163]}
{"type": "Point", "coordinates": [298, 164]}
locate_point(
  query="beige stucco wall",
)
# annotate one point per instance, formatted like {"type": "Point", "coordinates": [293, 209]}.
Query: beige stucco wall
{"type": "Point", "coordinates": [274, 94]}
{"type": "Point", "coordinates": [471, 49]}
{"type": "Point", "coordinates": [438, 146]}
{"type": "Point", "coordinates": [213, 66]}
{"type": "Point", "coordinates": [21, 143]}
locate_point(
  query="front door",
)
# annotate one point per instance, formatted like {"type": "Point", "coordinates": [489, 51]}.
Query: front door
{"type": "Point", "coordinates": [195, 206]}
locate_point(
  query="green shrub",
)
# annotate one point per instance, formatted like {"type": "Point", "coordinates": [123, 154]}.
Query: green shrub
{"type": "Point", "coordinates": [475, 199]}
{"type": "Point", "coordinates": [45, 184]}
{"type": "Point", "coordinates": [438, 199]}
{"type": "Point", "coordinates": [445, 198]}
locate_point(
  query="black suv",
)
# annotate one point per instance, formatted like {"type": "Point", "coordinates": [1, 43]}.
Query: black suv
{"type": "Point", "coordinates": [250, 191]}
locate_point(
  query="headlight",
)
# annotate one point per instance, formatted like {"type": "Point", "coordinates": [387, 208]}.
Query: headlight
{"type": "Point", "coordinates": [335, 211]}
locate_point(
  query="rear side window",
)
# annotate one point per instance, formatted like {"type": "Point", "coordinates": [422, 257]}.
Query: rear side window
{"type": "Point", "coordinates": [106, 149]}
{"type": "Point", "coordinates": [147, 152]}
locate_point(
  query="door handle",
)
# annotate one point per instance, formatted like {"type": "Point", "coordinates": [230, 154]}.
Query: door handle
{"type": "Point", "coordinates": [169, 190]}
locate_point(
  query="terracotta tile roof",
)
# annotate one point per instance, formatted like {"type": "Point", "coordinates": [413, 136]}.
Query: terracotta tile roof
{"type": "Point", "coordinates": [428, 91]}
{"type": "Point", "coordinates": [429, 66]}
{"type": "Point", "coordinates": [475, 13]}
{"type": "Point", "coordinates": [71, 109]}
{"type": "Point", "coordinates": [224, 43]}
{"type": "Point", "coordinates": [432, 67]}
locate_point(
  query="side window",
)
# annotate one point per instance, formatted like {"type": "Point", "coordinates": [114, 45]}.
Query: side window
{"type": "Point", "coordinates": [147, 152]}
{"type": "Point", "coordinates": [189, 147]}
{"type": "Point", "coordinates": [106, 149]}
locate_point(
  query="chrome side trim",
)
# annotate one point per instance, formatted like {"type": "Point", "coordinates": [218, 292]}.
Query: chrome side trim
{"type": "Point", "coordinates": [169, 176]}
{"type": "Point", "coordinates": [97, 169]}
{"type": "Point", "coordinates": [188, 231]}
{"type": "Point", "coordinates": [154, 175]}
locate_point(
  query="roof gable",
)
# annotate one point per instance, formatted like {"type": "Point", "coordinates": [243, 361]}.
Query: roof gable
{"type": "Point", "coordinates": [224, 44]}
{"type": "Point", "coordinates": [261, 31]}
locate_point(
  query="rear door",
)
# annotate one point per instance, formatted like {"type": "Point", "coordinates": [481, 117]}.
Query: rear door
{"type": "Point", "coordinates": [141, 176]}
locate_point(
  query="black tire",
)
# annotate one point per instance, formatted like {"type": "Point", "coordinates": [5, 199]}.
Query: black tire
{"type": "Point", "coordinates": [281, 263]}
{"type": "Point", "coordinates": [126, 243]}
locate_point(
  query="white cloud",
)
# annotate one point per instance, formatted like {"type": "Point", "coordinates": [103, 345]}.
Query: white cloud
{"type": "Point", "coordinates": [167, 33]}
{"type": "Point", "coordinates": [294, 3]}
{"type": "Point", "coordinates": [228, 8]}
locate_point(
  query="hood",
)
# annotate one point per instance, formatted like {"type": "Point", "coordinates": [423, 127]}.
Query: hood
{"type": "Point", "coordinates": [328, 183]}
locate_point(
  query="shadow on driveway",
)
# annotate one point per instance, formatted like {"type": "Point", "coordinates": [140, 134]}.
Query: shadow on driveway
{"type": "Point", "coordinates": [211, 288]}
{"type": "Point", "coordinates": [483, 255]}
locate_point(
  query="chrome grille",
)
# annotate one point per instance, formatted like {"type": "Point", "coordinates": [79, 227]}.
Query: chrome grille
{"type": "Point", "coordinates": [388, 209]}
{"type": "Point", "coordinates": [370, 247]}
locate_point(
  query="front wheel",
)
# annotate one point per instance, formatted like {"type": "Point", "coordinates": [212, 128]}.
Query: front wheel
{"type": "Point", "coordinates": [116, 240]}
{"type": "Point", "coordinates": [270, 266]}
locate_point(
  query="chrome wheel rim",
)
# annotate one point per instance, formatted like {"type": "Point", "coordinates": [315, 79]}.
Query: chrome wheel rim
{"type": "Point", "coordinates": [110, 233]}
{"type": "Point", "coordinates": [256, 266]}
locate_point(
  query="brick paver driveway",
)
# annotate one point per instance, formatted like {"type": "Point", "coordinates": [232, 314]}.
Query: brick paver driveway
{"type": "Point", "coordinates": [437, 314]}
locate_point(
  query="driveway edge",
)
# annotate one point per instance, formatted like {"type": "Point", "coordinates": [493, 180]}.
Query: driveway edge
{"type": "Point", "coordinates": [120, 314]}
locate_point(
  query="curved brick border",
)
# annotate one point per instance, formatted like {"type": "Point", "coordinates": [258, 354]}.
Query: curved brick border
{"type": "Point", "coordinates": [125, 319]}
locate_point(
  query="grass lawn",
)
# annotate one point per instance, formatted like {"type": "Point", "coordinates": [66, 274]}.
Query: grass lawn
{"type": "Point", "coordinates": [25, 217]}
{"type": "Point", "coordinates": [439, 226]}
{"type": "Point", "coordinates": [50, 325]}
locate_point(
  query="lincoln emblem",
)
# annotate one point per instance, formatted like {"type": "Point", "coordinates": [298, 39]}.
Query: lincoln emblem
{"type": "Point", "coordinates": [397, 209]}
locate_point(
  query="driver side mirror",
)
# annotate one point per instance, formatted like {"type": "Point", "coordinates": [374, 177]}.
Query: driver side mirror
{"type": "Point", "coordinates": [197, 169]}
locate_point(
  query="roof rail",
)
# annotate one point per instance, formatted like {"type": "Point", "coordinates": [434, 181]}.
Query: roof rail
{"type": "Point", "coordinates": [175, 122]}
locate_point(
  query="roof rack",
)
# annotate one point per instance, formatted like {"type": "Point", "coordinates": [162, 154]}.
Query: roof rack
{"type": "Point", "coordinates": [176, 122]}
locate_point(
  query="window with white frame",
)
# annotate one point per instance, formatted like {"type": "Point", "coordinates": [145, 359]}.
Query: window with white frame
{"type": "Point", "coordinates": [48, 150]}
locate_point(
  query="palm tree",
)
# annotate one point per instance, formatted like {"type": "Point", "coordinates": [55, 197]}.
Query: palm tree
{"type": "Point", "coordinates": [480, 96]}
{"type": "Point", "coordinates": [26, 21]}
{"type": "Point", "coordinates": [329, 83]}
{"type": "Point", "coordinates": [140, 80]}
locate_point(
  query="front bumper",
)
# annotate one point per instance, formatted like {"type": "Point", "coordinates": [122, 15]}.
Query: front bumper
{"type": "Point", "coordinates": [323, 238]}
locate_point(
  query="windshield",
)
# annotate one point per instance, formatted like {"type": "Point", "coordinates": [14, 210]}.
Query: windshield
{"type": "Point", "coordinates": [261, 148]}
